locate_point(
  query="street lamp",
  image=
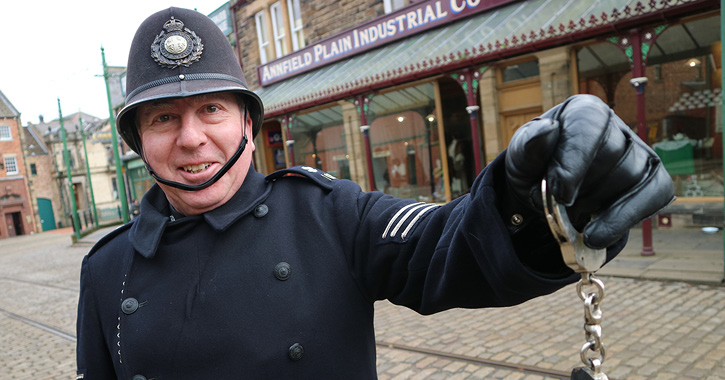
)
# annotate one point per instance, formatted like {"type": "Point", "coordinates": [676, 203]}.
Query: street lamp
{"type": "Point", "coordinates": [119, 175]}
{"type": "Point", "coordinates": [66, 158]}
{"type": "Point", "coordinates": [88, 173]}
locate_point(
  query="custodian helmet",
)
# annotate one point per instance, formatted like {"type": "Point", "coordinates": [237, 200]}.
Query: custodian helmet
{"type": "Point", "coordinates": [178, 53]}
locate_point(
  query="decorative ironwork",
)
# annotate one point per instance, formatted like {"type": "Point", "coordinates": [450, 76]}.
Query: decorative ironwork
{"type": "Point", "coordinates": [451, 61]}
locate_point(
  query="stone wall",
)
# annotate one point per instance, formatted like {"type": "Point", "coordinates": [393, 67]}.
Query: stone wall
{"type": "Point", "coordinates": [321, 18]}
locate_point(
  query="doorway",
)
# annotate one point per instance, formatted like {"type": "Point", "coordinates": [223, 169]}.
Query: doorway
{"type": "Point", "coordinates": [45, 211]}
{"type": "Point", "coordinates": [14, 223]}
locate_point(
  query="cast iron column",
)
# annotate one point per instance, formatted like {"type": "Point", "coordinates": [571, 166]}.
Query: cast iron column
{"type": "Point", "coordinates": [468, 79]}
{"type": "Point", "coordinates": [636, 46]}
{"type": "Point", "coordinates": [639, 79]}
{"type": "Point", "coordinates": [362, 103]}
{"type": "Point", "coordinates": [286, 121]}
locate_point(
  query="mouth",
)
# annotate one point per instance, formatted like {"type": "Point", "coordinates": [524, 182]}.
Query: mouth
{"type": "Point", "coordinates": [193, 169]}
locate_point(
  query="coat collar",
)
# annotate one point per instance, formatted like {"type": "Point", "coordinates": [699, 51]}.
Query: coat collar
{"type": "Point", "coordinates": [151, 223]}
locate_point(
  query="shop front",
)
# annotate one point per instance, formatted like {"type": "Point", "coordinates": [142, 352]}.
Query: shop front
{"type": "Point", "coordinates": [420, 115]}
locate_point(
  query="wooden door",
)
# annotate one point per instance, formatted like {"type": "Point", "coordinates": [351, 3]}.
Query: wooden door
{"type": "Point", "coordinates": [10, 225]}
{"type": "Point", "coordinates": [47, 217]}
{"type": "Point", "coordinates": [512, 122]}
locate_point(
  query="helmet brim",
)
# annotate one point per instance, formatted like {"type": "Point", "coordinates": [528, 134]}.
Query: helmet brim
{"type": "Point", "coordinates": [126, 119]}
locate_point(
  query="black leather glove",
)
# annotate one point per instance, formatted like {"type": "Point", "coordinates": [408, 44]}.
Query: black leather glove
{"type": "Point", "coordinates": [594, 164]}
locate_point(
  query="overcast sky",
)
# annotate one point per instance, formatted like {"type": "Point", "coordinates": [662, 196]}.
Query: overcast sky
{"type": "Point", "coordinates": [52, 49]}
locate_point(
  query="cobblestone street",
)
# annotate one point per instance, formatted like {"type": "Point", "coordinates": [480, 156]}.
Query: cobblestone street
{"type": "Point", "coordinates": [653, 330]}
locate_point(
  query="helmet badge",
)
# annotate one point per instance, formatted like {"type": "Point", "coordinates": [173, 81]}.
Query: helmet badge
{"type": "Point", "coordinates": [176, 46]}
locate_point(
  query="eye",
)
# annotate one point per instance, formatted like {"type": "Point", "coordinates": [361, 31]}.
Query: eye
{"type": "Point", "coordinates": [211, 108]}
{"type": "Point", "coordinates": [163, 118]}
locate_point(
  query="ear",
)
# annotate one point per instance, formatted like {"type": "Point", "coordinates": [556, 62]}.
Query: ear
{"type": "Point", "coordinates": [249, 130]}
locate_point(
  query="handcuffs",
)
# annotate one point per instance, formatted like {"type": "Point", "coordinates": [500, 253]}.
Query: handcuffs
{"type": "Point", "coordinates": [586, 261]}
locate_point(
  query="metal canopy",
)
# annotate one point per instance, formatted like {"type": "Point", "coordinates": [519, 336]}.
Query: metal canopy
{"type": "Point", "coordinates": [677, 42]}
{"type": "Point", "coordinates": [511, 30]}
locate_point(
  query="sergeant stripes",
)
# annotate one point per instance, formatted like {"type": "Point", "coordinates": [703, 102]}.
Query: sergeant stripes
{"type": "Point", "coordinates": [421, 209]}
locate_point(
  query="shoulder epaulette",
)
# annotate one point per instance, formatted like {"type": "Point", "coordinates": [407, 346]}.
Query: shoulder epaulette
{"type": "Point", "coordinates": [110, 236]}
{"type": "Point", "coordinates": [318, 176]}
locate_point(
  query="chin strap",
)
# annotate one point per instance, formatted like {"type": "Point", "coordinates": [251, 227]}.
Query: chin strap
{"type": "Point", "coordinates": [210, 181]}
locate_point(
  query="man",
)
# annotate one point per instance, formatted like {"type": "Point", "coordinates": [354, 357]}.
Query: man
{"type": "Point", "coordinates": [229, 274]}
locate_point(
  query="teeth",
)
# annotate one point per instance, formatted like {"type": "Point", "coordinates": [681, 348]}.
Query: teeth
{"type": "Point", "coordinates": [196, 168]}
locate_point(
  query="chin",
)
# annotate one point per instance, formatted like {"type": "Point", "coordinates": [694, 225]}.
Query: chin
{"type": "Point", "coordinates": [197, 202]}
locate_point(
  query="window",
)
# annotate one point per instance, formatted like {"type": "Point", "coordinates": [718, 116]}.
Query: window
{"type": "Point", "coordinates": [285, 33]}
{"type": "Point", "coordinates": [33, 169]}
{"type": "Point", "coordinates": [5, 134]}
{"type": "Point", "coordinates": [114, 185]}
{"type": "Point", "coordinates": [262, 36]}
{"type": "Point", "coordinates": [295, 20]}
{"type": "Point", "coordinates": [278, 28]}
{"type": "Point", "coordinates": [11, 165]}
{"type": "Point", "coordinates": [521, 71]}
{"type": "Point", "coordinates": [405, 144]}
{"type": "Point", "coordinates": [394, 5]}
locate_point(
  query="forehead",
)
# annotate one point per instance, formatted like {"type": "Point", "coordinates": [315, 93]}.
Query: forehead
{"type": "Point", "coordinates": [222, 97]}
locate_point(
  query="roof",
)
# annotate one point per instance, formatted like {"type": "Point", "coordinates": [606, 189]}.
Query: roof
{"type": "Point", "coordinates": [508, 31]}
{"type": "Point", "coordinates": [71, 123]}
{"type": "Point", "coordinates": [33, 143]}
{"type": "Point", "coordinates": [6, 108]}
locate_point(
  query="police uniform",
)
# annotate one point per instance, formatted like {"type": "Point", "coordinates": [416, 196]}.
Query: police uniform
{"type": "Point", "coordinates": [279, 282]}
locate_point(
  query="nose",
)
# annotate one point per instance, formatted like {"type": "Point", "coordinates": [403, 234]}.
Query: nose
{"type": "Point", "coordinates": [191, 132]}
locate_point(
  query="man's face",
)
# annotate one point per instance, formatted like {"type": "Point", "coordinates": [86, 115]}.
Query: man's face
{"type": "Point", "coordinates": [188, 140]}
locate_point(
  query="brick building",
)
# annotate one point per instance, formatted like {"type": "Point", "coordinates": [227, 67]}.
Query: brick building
{"type": "Point", "coordinates": [42, 184]}
{"type": "Point", "coordinates": [99, 162]}
{"type": "Point", "coordinates": [16, 211]}
{"type": "Point", "coordinates": [414, 97]}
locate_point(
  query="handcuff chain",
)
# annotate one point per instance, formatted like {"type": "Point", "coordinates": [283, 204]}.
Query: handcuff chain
{"type": "Point", "coordinates": [592, 322]}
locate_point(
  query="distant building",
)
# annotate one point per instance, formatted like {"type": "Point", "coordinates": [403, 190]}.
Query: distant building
{"type": "Point", "coordinates": [42, 185]}
{"type": "Point", "coordinates": [16, 210]}
{"type": "Point", "coordinates": [96, 132]}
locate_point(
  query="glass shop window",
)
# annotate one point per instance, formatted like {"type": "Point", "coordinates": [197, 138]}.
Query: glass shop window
{"type": "Point", "coordinates": [683, 98]}
{"type": "Point", "coordinates": [405, 144]}
{"type": "Point", "coordinates": [319, 141]}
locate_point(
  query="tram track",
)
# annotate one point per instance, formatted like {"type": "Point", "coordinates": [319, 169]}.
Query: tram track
{"type": "Point", "coordinates": [478, 361]}
{"type": "Point", "coordinates": [75, 290]}
{"type": "Point", "coordinates": [527, 369]}
{"type": "Point", "coordinates": [447, 355]}
{"type": "Point", "coordinates": [45, 327]}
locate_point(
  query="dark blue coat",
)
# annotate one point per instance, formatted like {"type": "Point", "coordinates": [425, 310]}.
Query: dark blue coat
{"type": "Point", "coordinates": [279, 283]}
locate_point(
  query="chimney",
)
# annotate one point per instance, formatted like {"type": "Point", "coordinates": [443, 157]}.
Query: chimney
{"type": "Point", "coordinates": [40, 117]}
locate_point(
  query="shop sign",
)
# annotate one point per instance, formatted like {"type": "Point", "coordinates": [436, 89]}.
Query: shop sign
{"type": "Point", "coordinates": [101, 137]}
{"type": "Point", "coordinates": [222, 17]}
{"type": "Point", "coordinates": [392, 27]}
{"type": "Point", "coordinates": [381, 153]}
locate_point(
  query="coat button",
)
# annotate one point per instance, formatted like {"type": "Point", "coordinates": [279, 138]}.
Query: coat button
{"type": "Point", "coordinates": [129, 306]}
{"type": "Point", "coordinates": [296, 351]}
{"type": "Point", "coordinates": [261, 210]}
{"type": "Point", "coordinates": [139, 377]}
{"type": "Point", "coordinates": [282, 271]}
